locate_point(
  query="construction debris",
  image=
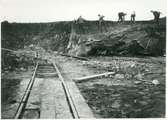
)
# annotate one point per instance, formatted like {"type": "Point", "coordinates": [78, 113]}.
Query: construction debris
{"type": "Point", "coordinates": [94, 76]}
{"type": "Point", "coordinates": [155, 82]}
{"type": "Point", "coordinates": [78, 57]}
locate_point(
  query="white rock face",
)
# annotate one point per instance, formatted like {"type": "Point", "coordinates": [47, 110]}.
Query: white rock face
{"type": "Point", "coordinates": [77, 46]}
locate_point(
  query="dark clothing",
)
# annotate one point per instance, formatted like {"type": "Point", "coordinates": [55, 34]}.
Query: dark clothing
{"type": "Point", "coordinates": [121, 17]}
{"type": "Point", "coordinates": [101, 18]}
{"type": "Point", "coordinates": [80, 20]}
{"type": "Point", "coordinates": [102, 26]}
{"type": "Point", "coordinates": [133, 18]}
{"type": "Point", "coordinates": [81, 28]}
{"type": "Point", "coordinates": [156, 16]}
{"type": "Point", "coordinates": [80, 23]}
{"type": "Point", "coordinates": [101, 23]}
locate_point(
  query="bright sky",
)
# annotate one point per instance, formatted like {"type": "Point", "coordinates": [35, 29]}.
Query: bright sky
{"type": "Point", "coordinates": [62, 10]}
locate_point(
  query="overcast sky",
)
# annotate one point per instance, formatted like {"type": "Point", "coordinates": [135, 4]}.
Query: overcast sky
{"type": "Point", "coordinates": [58, 10]}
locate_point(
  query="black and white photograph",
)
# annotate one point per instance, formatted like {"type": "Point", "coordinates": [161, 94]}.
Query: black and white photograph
{"type": "Point", "coordinates": [83, 59]}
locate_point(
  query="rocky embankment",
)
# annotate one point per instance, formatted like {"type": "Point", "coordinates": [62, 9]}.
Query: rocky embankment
{"type": "Point", "coordinates": [141, 38]}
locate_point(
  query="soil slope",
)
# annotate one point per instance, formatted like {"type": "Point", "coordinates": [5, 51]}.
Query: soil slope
{"type": "Point", "coordinates": [142, 38]}
{"type": "Point", "coordinates": [67, 37]}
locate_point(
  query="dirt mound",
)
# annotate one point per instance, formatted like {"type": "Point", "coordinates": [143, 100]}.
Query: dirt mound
{"type": "Point", "coordinates": [47, 35]}
{"type": "Point", "coordinates": [59, 36]}
{"type": "Point", "coordinates": [142, 38]}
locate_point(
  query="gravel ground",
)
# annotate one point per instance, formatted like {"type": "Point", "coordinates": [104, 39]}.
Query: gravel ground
{"type": "Point", "coordinates": [13, 85]}
{"type": "Point", "coordinates": [137, 90]}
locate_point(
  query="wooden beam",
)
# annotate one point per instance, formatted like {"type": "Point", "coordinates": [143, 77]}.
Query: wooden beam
{"type": "Point", "coordinates": [72, 107]}
{"type": "Point", "coordinates": [93, 76]}
{"type": "Point", "coordinates": [40, 73]}
{"type": "Point", "coordinates": [48, 74]}
{"type": "Point", "coordinates": [148, 43]}
{"type": "Point", "coordinates": [78, 57]}
{"type": "Point", "coordinates": [78, 104]}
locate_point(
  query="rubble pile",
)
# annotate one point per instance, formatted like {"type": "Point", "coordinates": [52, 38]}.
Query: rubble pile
{"type": "Point", "coordinates": [141, 38]}
{"type": "Point", "coordinates": [146, 39]}
{"type": "Point", "coordinates": [20, 59]}
{"type": "Point", "coordinates": [131, 69]}
{"type": "Point", "coordinates": [138, 89]}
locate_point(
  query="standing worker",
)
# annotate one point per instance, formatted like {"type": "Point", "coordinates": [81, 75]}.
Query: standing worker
{"type": "Point", "coordinates": [80, 22]}
{"type": "Point", "coordinates": [101, 23]}
{"type": "Point", "coordinates": [133, 15]}
{"type": "Point", "coordinates": [121, 16]}
{"type": "Point", "coordinates": [156, 15]}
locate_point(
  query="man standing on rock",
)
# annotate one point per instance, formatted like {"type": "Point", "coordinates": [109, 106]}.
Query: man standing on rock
{"type": "Point", "coordinates": [156, 15]}
{"type": "Point", "coordinates": [80, 22]}
{"type": "Point", "coordinates": [121, 16]}
{"type": "Point", "coordinates": [101, 23]}
{"type": "Point", "coordinates": [133, 15]}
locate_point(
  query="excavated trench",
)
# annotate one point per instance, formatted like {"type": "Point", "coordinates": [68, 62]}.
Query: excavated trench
{"type": "Point", "coordinates": [143, 38]}
{"type": "Point", "coordinates": [119, 96]}
{"type": "Point", "coordinates": [120, 40]}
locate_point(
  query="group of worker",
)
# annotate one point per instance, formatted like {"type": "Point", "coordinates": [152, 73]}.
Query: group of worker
{"type": "Point", "coordinates": [121, 19]}
{"type": "Point", "coordinates": [121, 16]}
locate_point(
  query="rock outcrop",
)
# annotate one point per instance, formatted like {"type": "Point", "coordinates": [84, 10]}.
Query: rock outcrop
{"type": "Point", "coordinates": [148, 37]}
{"type": "Point", "coordinates": [122, 39]}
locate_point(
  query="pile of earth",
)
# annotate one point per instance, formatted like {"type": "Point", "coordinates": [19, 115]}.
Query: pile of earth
{"type": "Point", "coordinates": [20, 59]}
{"type": "Point", "coordinates": [142, 38]}
{"type": "Point", "coordinates": [50, 36]}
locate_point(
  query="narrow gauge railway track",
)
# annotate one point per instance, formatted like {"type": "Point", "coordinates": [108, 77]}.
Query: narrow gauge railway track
{"type": "Point", "coordinates": [22, 105]}
{"type": "Point", "coordinates": [47, 70]}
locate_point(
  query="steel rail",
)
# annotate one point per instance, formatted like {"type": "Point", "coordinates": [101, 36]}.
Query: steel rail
{"type": "Point", "coordinates": [68, 96]}
{"type": "Point", "coordinates": [20, 110]}
{"type": "Point", "coordinates": [25, 97]}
